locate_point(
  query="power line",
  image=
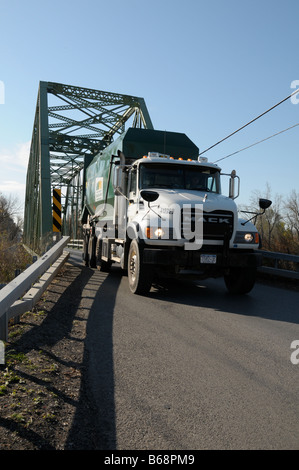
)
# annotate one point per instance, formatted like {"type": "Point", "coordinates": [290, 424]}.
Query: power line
{"type": "Point", "coordinates": [250, 122]}
{"type": "Point", "coordinates": [256, 143]}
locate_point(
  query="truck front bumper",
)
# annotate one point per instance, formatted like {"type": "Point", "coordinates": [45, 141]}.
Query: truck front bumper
{"type": "Point", "coordinates": [200, 260]}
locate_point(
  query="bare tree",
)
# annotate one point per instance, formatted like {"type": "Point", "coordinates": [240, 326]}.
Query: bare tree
{"type": "Point", "coordinates": [12, 254]}
{"type": "Point", "coordinates": [292, 217]}
{"type": "Point", "coordinates": [268, 223]}
{"type": "Point", "coordinates": [10, 220]}
{"type": "Point", "coordinates": [292, 211]}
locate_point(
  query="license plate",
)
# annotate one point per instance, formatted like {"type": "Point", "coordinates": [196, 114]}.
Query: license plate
{"type": "Point", "coordinates": [208, 259]}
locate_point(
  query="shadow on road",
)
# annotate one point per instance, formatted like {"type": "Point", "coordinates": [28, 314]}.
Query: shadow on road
{"type": "Point", "coordinates": [93, 427]}
{"type": "Point", "coordinates": [264, 301]}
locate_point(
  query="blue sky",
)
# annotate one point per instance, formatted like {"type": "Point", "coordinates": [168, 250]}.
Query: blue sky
{"type": "Point", "coordinates": [204, 68]}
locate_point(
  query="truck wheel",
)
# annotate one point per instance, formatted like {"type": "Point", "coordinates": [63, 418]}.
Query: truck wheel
{"type": "Point", "coordinates": [240, 280]}
{"type": "Point", "coordinates": [104, 266]}
{"type": "Point", "coordinates": [140, 276]}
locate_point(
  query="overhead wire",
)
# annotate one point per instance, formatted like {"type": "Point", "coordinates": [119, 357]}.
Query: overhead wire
{"type": "Point", "coordinates": [256, 143]}
{"type": "Point", "coordinates": [250, 122]}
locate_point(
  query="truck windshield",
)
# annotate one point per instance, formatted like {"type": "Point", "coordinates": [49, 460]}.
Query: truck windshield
{"type": "Point", "coordinates": [155, 175]}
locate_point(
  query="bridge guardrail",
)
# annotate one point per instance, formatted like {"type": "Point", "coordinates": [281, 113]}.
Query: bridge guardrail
{"type": "Point", "coordinates": [278, 271]}
{"type": "Point", "coordinates": [75, 244]}
{"type": "Point", "coordinates": [23, 292]}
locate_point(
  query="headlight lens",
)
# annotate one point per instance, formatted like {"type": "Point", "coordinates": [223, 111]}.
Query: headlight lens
{"type": "Point", "coordinates": [247, 237]}
{"type": "Point", "coordinates": [154, 232]}
{"type": "Point", "coordinates": [159, 232]}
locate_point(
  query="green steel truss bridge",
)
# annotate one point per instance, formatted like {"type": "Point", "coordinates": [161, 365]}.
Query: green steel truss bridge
{"type": "Point", "coordinates": [71, 125]}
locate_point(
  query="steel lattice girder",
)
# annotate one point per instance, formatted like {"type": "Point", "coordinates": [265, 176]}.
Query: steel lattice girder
{"type": "Point", "coordinates": [71, 125]}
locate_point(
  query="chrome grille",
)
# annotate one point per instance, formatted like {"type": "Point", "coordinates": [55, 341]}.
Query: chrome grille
{"type": "Point", "coordinates": [216, 224]}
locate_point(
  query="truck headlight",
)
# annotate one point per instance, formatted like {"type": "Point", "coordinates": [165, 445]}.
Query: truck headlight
{"type": "Point", "coordinates": [156, 233]}
{"type": "Point", "coordinates": [159, 232]}
{"type": "Point", "coordinates": [247, 237]}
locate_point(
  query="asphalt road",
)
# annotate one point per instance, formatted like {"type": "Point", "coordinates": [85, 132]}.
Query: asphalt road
{"type": "Point", "coordinates": [191, 367]}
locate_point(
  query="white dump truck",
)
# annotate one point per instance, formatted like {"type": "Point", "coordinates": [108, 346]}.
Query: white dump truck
{"type": "Point", "coordinates": [156, 208]}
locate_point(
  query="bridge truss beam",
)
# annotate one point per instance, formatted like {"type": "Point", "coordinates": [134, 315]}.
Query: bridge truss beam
{"type": "Point", "coordinates": [71, 125]}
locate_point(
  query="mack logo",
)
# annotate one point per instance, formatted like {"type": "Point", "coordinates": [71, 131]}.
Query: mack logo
{"type": "Point", "coordinates": [209, 219]}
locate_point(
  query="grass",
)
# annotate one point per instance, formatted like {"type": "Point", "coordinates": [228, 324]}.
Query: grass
{"type": "Point", "coordinates": [25, 402]}
{"type": "Point", "coordinates": [12, 257]}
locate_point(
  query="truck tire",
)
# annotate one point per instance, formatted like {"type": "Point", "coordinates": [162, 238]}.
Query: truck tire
{"type": "Point", "coordinates": [240, 280]}
{"type": "Point", "coordinates": [104, 266]}
{"type": "Point", "coordinates": [139, 275]}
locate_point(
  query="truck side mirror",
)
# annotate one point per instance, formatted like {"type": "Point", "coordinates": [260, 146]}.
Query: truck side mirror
{"type": "Point", "coordinates": [233, 176]}
{"type": "Point", "coordinates": [116, 176]}
{"type": "Point", "coordinates": [231, 188]}
{"type": "Point", "coordinates": [264, 203]}
{"type": "Point", "coordinates": [149, 196]}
